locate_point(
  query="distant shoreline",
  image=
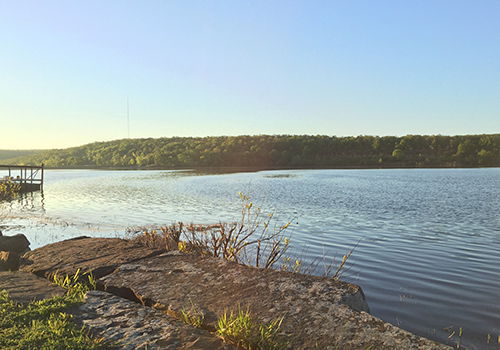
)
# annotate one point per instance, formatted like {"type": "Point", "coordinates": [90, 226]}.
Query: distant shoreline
{"type": "Point", "coordinates": [270, 168]}
{"type": "Point", "coordinates": [273, 152]}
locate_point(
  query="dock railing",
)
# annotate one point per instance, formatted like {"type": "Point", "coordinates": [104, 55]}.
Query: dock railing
{"type": "Point", "coordinates": [29, 177]}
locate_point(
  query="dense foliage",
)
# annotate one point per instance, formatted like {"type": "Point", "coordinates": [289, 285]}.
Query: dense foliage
{"type": "Point", "coordinates": [280, 151]}
{"type": "Point", "coordinates": [7, 153]}
{"type": "Point", "coordinates": [8, 190]}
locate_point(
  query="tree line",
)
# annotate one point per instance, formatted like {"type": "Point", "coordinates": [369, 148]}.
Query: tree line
{"type": "Point", "coordinates": [278, 151]}
{"type": "Point", "coordinates": [10, 153]}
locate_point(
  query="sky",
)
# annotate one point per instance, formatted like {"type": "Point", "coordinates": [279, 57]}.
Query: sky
{"type": "Point", "coordinates": [76, 72]}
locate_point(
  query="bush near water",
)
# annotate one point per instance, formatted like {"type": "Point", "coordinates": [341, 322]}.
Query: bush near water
{"type": "Point", "coordinates": [9, 190]}
{"type": "Point", "coordinates": [278, 151]}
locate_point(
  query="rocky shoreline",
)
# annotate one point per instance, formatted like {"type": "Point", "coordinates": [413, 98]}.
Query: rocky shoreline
{"type": "Point", "coordinates": [142, 291]}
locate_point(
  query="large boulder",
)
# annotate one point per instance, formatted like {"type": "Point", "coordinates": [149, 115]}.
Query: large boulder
{"type": "Point", "coordinates": [17, 243]}
{"type": "Point", "coordinates": [9, 261]}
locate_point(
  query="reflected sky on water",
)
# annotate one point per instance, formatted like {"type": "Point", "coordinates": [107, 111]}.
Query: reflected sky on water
{"type": "Point", "coordinates": [428, 240]}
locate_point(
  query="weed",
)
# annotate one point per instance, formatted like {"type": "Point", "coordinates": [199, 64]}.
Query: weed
{"type": "Point", "coordinates": [166, 237]}
{"type": "Point", "coordinates": [172, 235]}
{"type": "Point", "coordinates": [297, 268]}
{"type": "Point", "coordinates": [236, 329]}
{"type": "Point", "coordinates": [76, 286]}
{"type": "Point", "coordinates": [193, 317]}
{"type": "Point", "coordinates": [340, 268]}
{"type": "Point", "coordinates": [182, 246]}
{"type": "Point", "coordinates": [257, 239]}
{"type": "Point", "coordinates": [241, 330]}
{"type": "Point", "coordinates": [295, 265]}
{"type": "Point", "coordinates": [459, 338]}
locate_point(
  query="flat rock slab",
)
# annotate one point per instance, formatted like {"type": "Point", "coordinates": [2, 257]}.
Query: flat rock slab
{"type": "Point", "coordinates": [133, 326]}
{"type": "Point", "coordinates": [319, 313]}
{"type": "Point", "coordinates": [24, 287]}
{"type": "Point", "coordinates": [100, 256]}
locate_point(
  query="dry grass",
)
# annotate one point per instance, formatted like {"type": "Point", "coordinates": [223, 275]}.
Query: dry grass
{"type": "Point", "coordinates": [257, 239]}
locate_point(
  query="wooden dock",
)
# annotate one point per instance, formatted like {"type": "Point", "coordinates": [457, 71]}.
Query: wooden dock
{"type": "Point", "coordinates": [29, 177]}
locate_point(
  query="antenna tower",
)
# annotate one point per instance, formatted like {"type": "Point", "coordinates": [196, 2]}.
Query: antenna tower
{"type": "Point", "coordinates": [128, 120]}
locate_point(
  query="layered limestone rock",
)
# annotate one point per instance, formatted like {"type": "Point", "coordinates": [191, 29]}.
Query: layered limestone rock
{"type": "Point", "coordinates": [99, 256]}
{"type": "Point", "coordinates": [134, 326]}
{"type": "Point", "coordinates": [318, 313]}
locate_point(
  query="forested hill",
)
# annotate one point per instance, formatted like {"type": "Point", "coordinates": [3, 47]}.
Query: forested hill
{"type": "Point", "coordinates": [7, 153]}
{"type": "Point", "coordinates": [279, 151]}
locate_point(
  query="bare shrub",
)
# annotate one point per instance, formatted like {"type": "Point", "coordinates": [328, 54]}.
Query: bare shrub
{"type": "Point", "coordinates": [255, 240]}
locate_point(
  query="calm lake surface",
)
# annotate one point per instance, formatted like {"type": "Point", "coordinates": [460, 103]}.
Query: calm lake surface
{"type": "Point", "coordinates": [428, 257]}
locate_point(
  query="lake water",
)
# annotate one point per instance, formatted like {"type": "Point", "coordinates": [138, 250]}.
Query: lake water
{"type": "Point", "coordinates": [428, 257]}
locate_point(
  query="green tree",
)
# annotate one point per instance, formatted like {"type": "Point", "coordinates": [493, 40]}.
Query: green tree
{"type": "Point", "coordinates": [486, 158]}
{"type": "Point", "coordinates": [398, 154]}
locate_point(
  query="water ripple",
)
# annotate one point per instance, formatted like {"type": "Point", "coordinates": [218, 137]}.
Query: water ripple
{"type": "Point", "coordinates": [427, 239]}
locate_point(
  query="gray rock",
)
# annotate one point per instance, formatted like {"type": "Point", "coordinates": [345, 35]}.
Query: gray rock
{"type": "Point", "coordinates": [24, 287]}
{"type": "Point", "coordinates": [9, 261]}
{"type": "Point", "coordinates": [17, 243]}
{"type": "Point", "coordinates": [133, 326]}
{"type": "Point", "coordinates": [318, 312]}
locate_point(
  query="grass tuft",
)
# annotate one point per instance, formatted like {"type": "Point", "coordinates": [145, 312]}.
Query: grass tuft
{"type": "Point", "coordinates": [76, 286]}
{"type": "Point", "coordinates": [193, 317]}
{"type": "Point", "coordinates": [241, 330]}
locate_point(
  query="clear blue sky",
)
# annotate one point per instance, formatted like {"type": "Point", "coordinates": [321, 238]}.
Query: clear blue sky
{"type": "Point", "coordinates": [207, 68]}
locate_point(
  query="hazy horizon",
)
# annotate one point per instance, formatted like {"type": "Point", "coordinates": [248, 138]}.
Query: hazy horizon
{"type": "Point", "coordinates": [78, 73]}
